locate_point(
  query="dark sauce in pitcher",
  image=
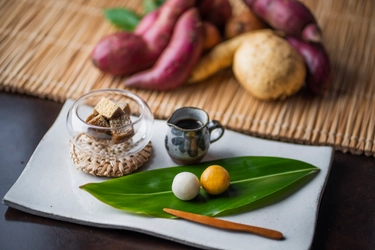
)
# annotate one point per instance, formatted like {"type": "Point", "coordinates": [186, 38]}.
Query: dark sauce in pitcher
{"type": "Point", "coordinates": [189, 124]}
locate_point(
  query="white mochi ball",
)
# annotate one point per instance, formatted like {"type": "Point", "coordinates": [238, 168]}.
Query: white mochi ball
{"type": "Point", "coordinates": [185, 186]}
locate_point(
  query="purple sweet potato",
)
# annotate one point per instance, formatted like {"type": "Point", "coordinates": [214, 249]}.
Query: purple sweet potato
{"type": "Point", "coordinates": [319, 71]}
{"type": "Point", "coordinates": [146, 22]}
{"type": "Point", "coordinates": [125, 53]}
{"type": "Point", "coordinates": [158, 36]}
{"type": "Point", "coordinates": [216, 12]}
{"type": "Point", "coordinates": [178, 59]}
{"type": "Point", "coordinates": [120, 53]}
{"type": "Point", "coordinates": [204, 6]}
{"type": "Point", "coordinates": [289, 16]}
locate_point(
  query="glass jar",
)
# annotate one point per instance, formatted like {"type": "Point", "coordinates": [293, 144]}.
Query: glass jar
{"type": "Point", "coordinates": [96, 143]}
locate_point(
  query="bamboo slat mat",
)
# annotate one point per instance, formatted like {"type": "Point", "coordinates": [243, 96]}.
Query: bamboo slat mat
{"type": "Point", "coordinates": [45, 50]}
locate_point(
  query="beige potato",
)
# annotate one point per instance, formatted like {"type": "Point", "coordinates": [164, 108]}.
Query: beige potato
{"type": "Point", "coordinates": [264, 63]}
{"type": "Point", "coordinates": [268, 67]}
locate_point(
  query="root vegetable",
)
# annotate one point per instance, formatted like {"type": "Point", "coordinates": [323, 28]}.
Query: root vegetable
{"type": "Point", "coordinates": [216, 12]}
{"type": "Point", "coordinates": [268, 67]}
{"type": "Point", "coordinates": [204, 6]}
{"type": "Point", "coordinates": [178, 59]}
{"type": "Point", "coordinates": [121, 53]}
{"type": "Point", "coordinates": [218, 58]}
{"type": "Point", "coordinates": [126, 53]}
{"type": "Point", "coordinates": [242, 23]}
{"type": "Point", "coordinates": [159, 34]}
{"type": "Point", "coordinates": [319, 71]}
{"type": "Point", "coordinates": [290, 16]}
{"type": "Point", "coordinates": [211, 36]}
{"type": "Point", "coordinates": [146, 22]}
{"type": "Point", "coordinates": [265, 64]}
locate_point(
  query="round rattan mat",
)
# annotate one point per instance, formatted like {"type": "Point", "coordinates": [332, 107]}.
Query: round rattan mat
{"type": "Point", "coordinates": [103, 166]}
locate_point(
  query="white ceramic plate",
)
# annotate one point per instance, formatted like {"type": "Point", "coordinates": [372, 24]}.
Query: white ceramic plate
{"type": "Point", "coordinates": [49, 187]}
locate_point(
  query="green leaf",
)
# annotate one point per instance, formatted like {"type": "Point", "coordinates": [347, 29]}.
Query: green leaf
{"type": "Point", "coordinates": [255, 182]}
{"type": "Point", "coordinates": [122, 18]}
{"type": "Point", "coordinates": [150, 5]}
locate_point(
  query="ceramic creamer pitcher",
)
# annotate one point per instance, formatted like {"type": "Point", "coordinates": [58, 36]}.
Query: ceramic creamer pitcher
{"type": "Point", "coordinates": [190, 134]}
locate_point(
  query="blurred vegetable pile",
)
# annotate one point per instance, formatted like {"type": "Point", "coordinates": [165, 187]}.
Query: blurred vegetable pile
{"type": "Point", "coordinates": [273, 46]}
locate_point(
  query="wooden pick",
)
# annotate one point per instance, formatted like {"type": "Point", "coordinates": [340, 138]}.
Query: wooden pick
{"type": "Point", "coordinates": [218, 223]}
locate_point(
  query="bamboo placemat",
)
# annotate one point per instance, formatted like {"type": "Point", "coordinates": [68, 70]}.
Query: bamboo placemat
{"type": "Point", "coordinates": [45, 50]}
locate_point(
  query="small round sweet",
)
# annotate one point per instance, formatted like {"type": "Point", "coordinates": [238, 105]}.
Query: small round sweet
{"type": "Point", "coordinates": [185, 186]}
{"type": "Point", "coordinates": [215, 180]}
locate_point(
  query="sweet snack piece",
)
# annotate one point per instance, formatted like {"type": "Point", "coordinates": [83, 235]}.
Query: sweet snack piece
{"type": "Point", "coordinates": [125, 107]}
{"type": "Point", "coordinates": [109, 114]}
{"type": "Point", "coordinates": [92, 115]}
{"type": "Point", "coordinates": [98, 120]}
{"type": "Point", "coordinates": [125, 131]}
{"type": "Point", "coordinates": [108, 109]}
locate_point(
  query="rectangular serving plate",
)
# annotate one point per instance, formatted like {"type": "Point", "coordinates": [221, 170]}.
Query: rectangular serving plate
{"type": "Point", "coordinates": [49, 187]}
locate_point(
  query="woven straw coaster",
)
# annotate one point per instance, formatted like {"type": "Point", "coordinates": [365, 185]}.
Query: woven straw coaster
{"type": "Point", "coordinates": [103, 166]}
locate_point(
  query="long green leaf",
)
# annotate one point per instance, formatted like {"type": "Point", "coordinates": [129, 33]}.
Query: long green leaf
{"type": "Point", "coordinates": [150, 5]}
{"type": "Point", "coordinates": [122, 18]}
{"type": "Point", "coordinates": [255, 182]}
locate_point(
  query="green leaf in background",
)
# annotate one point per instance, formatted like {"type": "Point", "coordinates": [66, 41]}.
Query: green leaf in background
{"type": "Point", "coordinates": [150, 5]}
{"type": "Point", "coordinates": [255, 182]}
{"type": "Point", "coordinates": [122, 18]}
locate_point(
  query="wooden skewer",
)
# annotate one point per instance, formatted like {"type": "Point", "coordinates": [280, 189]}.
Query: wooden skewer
{"type": "Point", "coordinates": [206, 220]}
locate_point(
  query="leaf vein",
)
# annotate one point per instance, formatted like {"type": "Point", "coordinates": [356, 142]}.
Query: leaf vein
{"type": "Point", "coordinates": [312, 170]}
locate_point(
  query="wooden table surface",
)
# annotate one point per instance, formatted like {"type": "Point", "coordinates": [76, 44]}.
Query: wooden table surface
{"type": "Point", "coordinates": [346, 218]}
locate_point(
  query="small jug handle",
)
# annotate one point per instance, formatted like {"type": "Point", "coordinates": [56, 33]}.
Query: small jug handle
{"type": "Point", "coordinates": [216, 130]}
